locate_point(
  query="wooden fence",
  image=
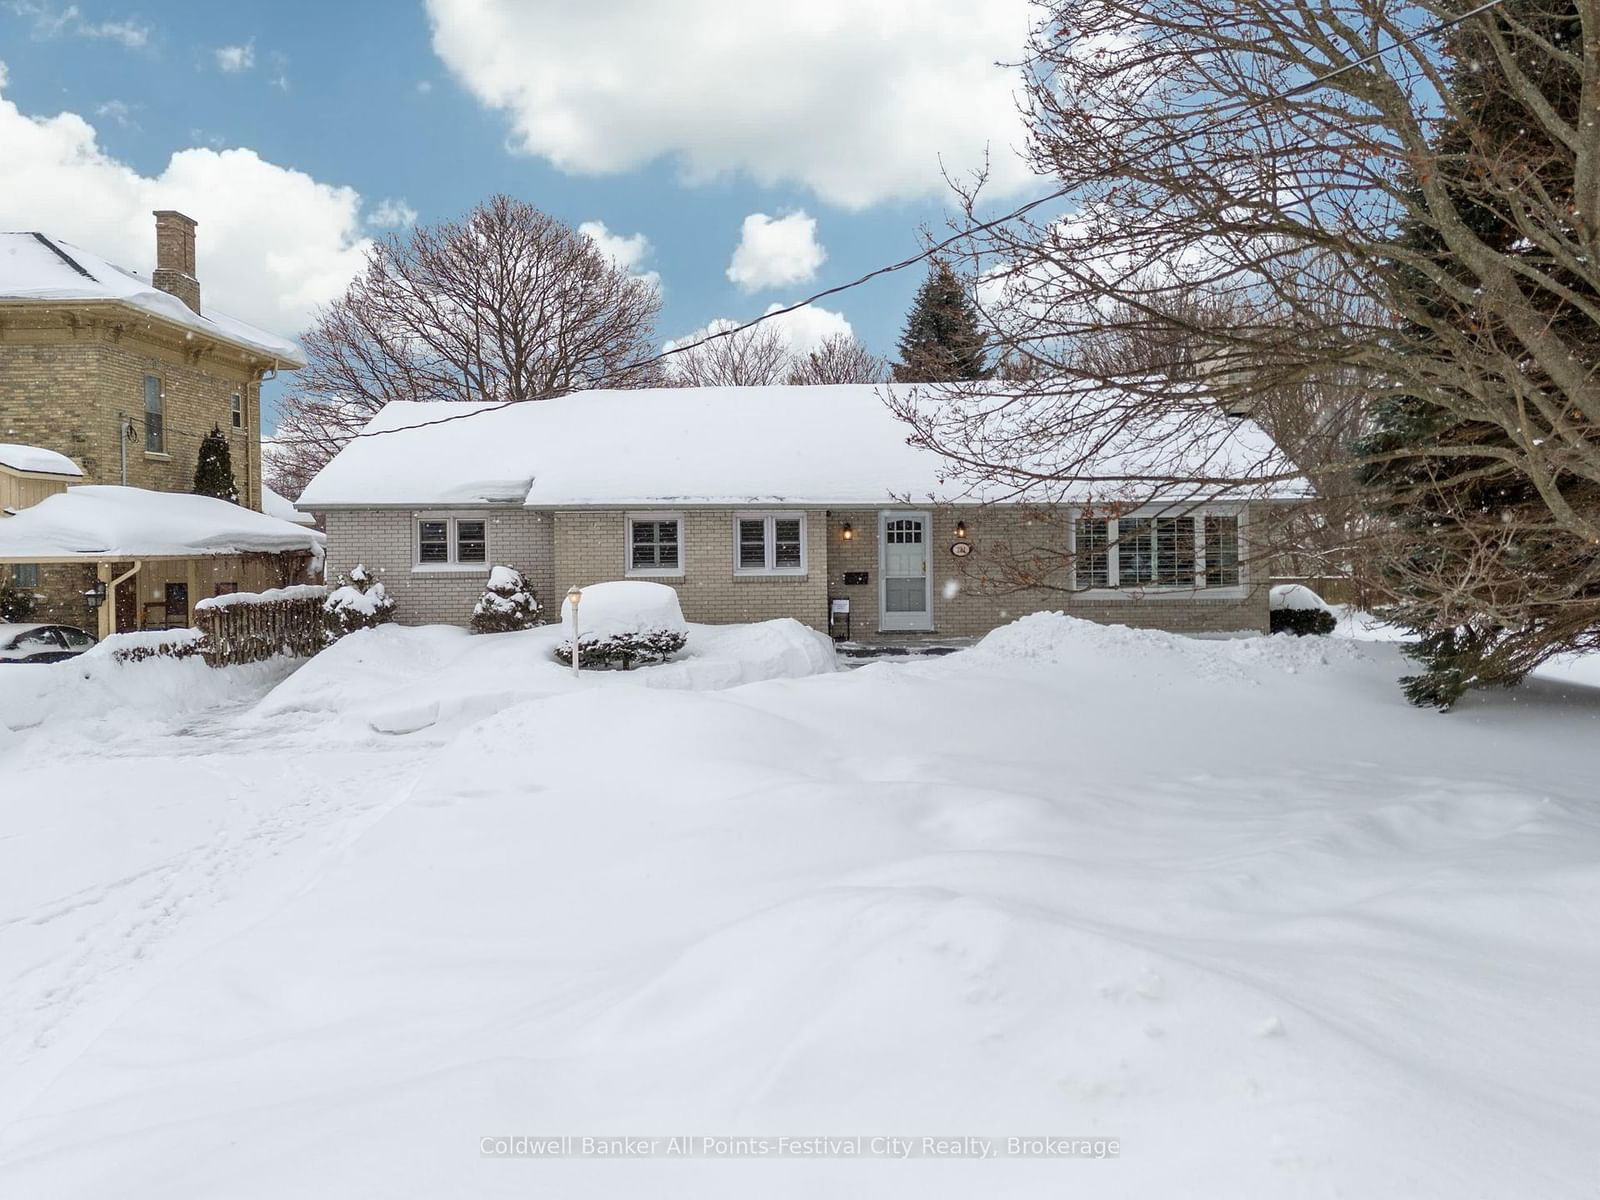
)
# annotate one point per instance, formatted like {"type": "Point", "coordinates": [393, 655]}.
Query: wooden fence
{"type": "Point", "coordinates": [247, 627]}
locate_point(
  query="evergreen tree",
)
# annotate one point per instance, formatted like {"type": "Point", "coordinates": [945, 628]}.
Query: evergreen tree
{"type": "Point", "coordinates": [942, 341]}
{"type": "Point", "coordinates": [1475, 537]}
{"type": "Point", "coordinates": [213, 470]}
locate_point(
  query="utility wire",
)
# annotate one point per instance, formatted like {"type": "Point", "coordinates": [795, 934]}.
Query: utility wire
{"type": "Point", "coordinates": [962, 235]}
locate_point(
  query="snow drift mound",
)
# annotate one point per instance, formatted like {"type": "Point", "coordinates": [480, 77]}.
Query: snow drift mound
{"type": "Point", "coordinates": [399, 678]}
{"type": "Point", "coordinates": [1055, 639]}
{"type": "Point", "coordinates": [95, 685]}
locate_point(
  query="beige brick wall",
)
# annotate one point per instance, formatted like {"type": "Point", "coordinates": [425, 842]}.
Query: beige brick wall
{"type": "Point", "coordinates": [968, 598]}
{"type": "Point", "coordinates": [591, 547]}
{"type": "Point", "coordinates": [65, 375]}
{"type": "Point", "coordinates": [384, 541]}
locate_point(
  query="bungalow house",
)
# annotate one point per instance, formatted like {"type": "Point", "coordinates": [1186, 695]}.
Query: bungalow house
{"type": "Point", "coordinates": [804, 502]}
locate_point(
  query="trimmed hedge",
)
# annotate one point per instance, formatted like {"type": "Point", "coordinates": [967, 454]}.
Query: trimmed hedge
{"type": "Point", "coordinates": [1303, 621]}
{"type": "Point", "coordinates": [623, 650]}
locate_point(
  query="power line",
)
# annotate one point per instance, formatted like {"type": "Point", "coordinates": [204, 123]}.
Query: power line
{"type": "Point", "coordinates": [962, 235]}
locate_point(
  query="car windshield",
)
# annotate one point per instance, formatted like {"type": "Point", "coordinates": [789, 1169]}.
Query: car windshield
{"type": "Point", "coordinates": [76, 639]}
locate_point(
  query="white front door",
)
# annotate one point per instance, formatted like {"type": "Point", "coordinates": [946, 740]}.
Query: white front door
{"type": "Point", "coordinates": [904, 599]}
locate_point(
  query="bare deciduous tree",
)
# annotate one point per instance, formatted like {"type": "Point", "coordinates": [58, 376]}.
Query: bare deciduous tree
{"type": "Point", "coordinates": [507, 305]}
{"type": "Point", "coordinates": [839, 359]}
{"type": "Point", "coordinates": [751, 357]}
{"type": "Point", "coordinates": [1259, 160]}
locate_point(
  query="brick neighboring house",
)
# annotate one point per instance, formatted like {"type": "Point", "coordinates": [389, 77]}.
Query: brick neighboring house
{"type": "Point", "coordinates": [125, 375]}
{"type": "Point", "coordinates": [783, 502]}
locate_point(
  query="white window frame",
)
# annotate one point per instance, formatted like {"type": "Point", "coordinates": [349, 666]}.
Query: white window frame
{"type": "Point", "coordinates": [452, 565]}
{"type": "Point", "coordinates": [1198, 587]}
{"type": "Point", "coordinates": [769, 520]}
{"type": "Point", "coordinates": [629, 570]}
{"type": "Point", "coordinates": [160, 413]}
{"type": "Point", "coordinates": [236, 410]}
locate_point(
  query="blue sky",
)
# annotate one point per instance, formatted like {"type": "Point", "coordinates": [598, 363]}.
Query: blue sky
{"type": "Point", "coordinates": [286, 126]}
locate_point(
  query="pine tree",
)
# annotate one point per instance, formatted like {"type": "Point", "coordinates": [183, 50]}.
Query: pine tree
{"type": "Point", "coordinates": [1440, 505]}
{"type": "Point", "coordinates": [213, 470]}
{"type": "Point", "coordinates": [942, 341]}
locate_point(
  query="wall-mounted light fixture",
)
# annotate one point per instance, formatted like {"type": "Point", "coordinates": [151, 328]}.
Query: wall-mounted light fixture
{"type": "Point", "coordinates": [961, 529]}
{"type": "Point", "coordinates": [846, 532]}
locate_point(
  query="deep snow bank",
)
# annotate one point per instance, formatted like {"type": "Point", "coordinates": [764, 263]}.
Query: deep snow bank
{"type": "Point", "coordinates": [95, 686]}
{"type": "Point", "coordinates": [1057, 640]}
{"type": "Point", "coordinates": [399, 679]}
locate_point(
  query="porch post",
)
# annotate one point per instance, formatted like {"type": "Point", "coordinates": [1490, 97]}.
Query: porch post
{"type": "Point", "coordinates": [194, 592]}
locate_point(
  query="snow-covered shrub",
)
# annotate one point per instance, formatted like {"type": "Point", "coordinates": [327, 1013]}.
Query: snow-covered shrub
{"type": "Point", "coordinates": [624, 624]}
{"type": "Point", "coordinates": [358, 602]}
{"type": "Point", "coordinates": [154, 643]}
{"type": "Point", "coordinates": [508, 603]}
{"type": "Point", "coordinates": [1298, 610]}
{"type": "Point", "coordinates": [15, 603]}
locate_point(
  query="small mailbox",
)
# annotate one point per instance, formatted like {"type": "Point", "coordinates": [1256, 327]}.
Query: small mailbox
{"type": "Point", "coordinates": [855, 579]}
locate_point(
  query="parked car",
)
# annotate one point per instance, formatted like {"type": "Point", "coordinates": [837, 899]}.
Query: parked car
{"type": "Point", "coordinates": [41, 643]}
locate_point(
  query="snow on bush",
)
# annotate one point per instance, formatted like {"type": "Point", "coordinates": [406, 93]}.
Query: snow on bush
{"type": "Point", "coordinates": [623, 623]}
{"type": "Point", "coordinates": [508, 604]}
{"type": "Point", "coordinates": [154, 643]}
{"type": "Point", "coordinates": [359, 602]}
{"type": "Point", "coordinates": [1298, 610]}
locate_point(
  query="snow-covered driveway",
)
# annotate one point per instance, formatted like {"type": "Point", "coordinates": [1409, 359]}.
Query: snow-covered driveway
{"type": "Point", "coordinates": [1230, 903]}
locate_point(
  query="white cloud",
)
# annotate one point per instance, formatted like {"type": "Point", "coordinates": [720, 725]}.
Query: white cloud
{"type": "Point", "coordinates": [628, 251]}
{"type": "Point", "coordinates": [858, 100]}
{"type": "Point", "coordinates": [424, 86]}
{"type": "Point", "coordinates": [802, 330]}
{"type": "Point", "coordinates": [776, 251]}
{"type": "Point", "coordinates": [234, 59]}
{"type": "Point", "coordinates": [119, 111]}
{"type": "Point", "coordinates": [272, 244]}
{"type": "Point", "coordinates": [51, 22]}
{"type": "Point", "coordinates": [392, 213]}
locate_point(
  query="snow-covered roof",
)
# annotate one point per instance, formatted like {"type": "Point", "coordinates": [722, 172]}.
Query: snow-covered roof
{"type": "Point", "coordinates": [34, 266]}
{"type": "Point", "coordinates": [103, 521]}
{"type": "Point", "coordinates": [38, 460]}
{"type": "Point", "coordinates": [818, 446]}
{"type": "Point", "coordinates": [275, 505]}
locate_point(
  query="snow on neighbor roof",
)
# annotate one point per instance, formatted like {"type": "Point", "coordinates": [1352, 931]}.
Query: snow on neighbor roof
{"type": "Point", "coordinates": [275, 505]}
{"type": "Point", "coordinates": [36, 267]}
{"type": "Point", "coordinates": [102, 521]}
{"type": "Point", "coordinates": [37, 459]}
{"type": "Point", "coordinates": [833, 446]}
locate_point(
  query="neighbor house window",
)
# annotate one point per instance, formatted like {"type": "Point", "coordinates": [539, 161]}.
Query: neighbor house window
{"type": "Point", "coordinates": [452, 541]}
{"type": "Point", "coordinates": [1197, 550]}
{"type": "Point", "coordinates": [155, 433]}
{"type": "Point", "coordinates": [1222, 551]}
{"type": "Point", "coordinates": [236, 408]}
{"type": "Point", "coordinates": [770, 543]}
{"type": "Point", "coordinates": [25, 575]}
{"type": "Point", "coordinates": [655, 544]}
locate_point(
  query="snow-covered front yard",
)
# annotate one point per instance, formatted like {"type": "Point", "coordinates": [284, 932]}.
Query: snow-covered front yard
{"type": "Point", "coordinates": [1232, 904]}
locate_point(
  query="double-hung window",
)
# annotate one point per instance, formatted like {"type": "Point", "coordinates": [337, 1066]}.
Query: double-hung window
{"type": "Point", "coordinates": [655, 544]}
{"type": "Point", "coordinates": [769, 544]}
{"type": "Point", "coordinates": [452, 542]}
{"type": "Point", "coordinates": [236, 410]}
{"type": "Point", "coordinates": [1222, 551]}
{"type": "Point", "coordinates": [155, 432]}
{"type": "Point", "coordinates": [1191, 551]}
{"type": "Point", "coordinates": [25, 575]}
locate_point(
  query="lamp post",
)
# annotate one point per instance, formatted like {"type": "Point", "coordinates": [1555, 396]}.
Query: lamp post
{"type": "Point", "coordinates": [574, 595]}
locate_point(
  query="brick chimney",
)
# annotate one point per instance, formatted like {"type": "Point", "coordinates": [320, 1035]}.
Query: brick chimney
{"type": "Point", "coordinates": [174, 271]}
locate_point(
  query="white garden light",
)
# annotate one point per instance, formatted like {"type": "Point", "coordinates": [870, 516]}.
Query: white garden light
{"type": "Point", "coordinates": [574, 596]}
